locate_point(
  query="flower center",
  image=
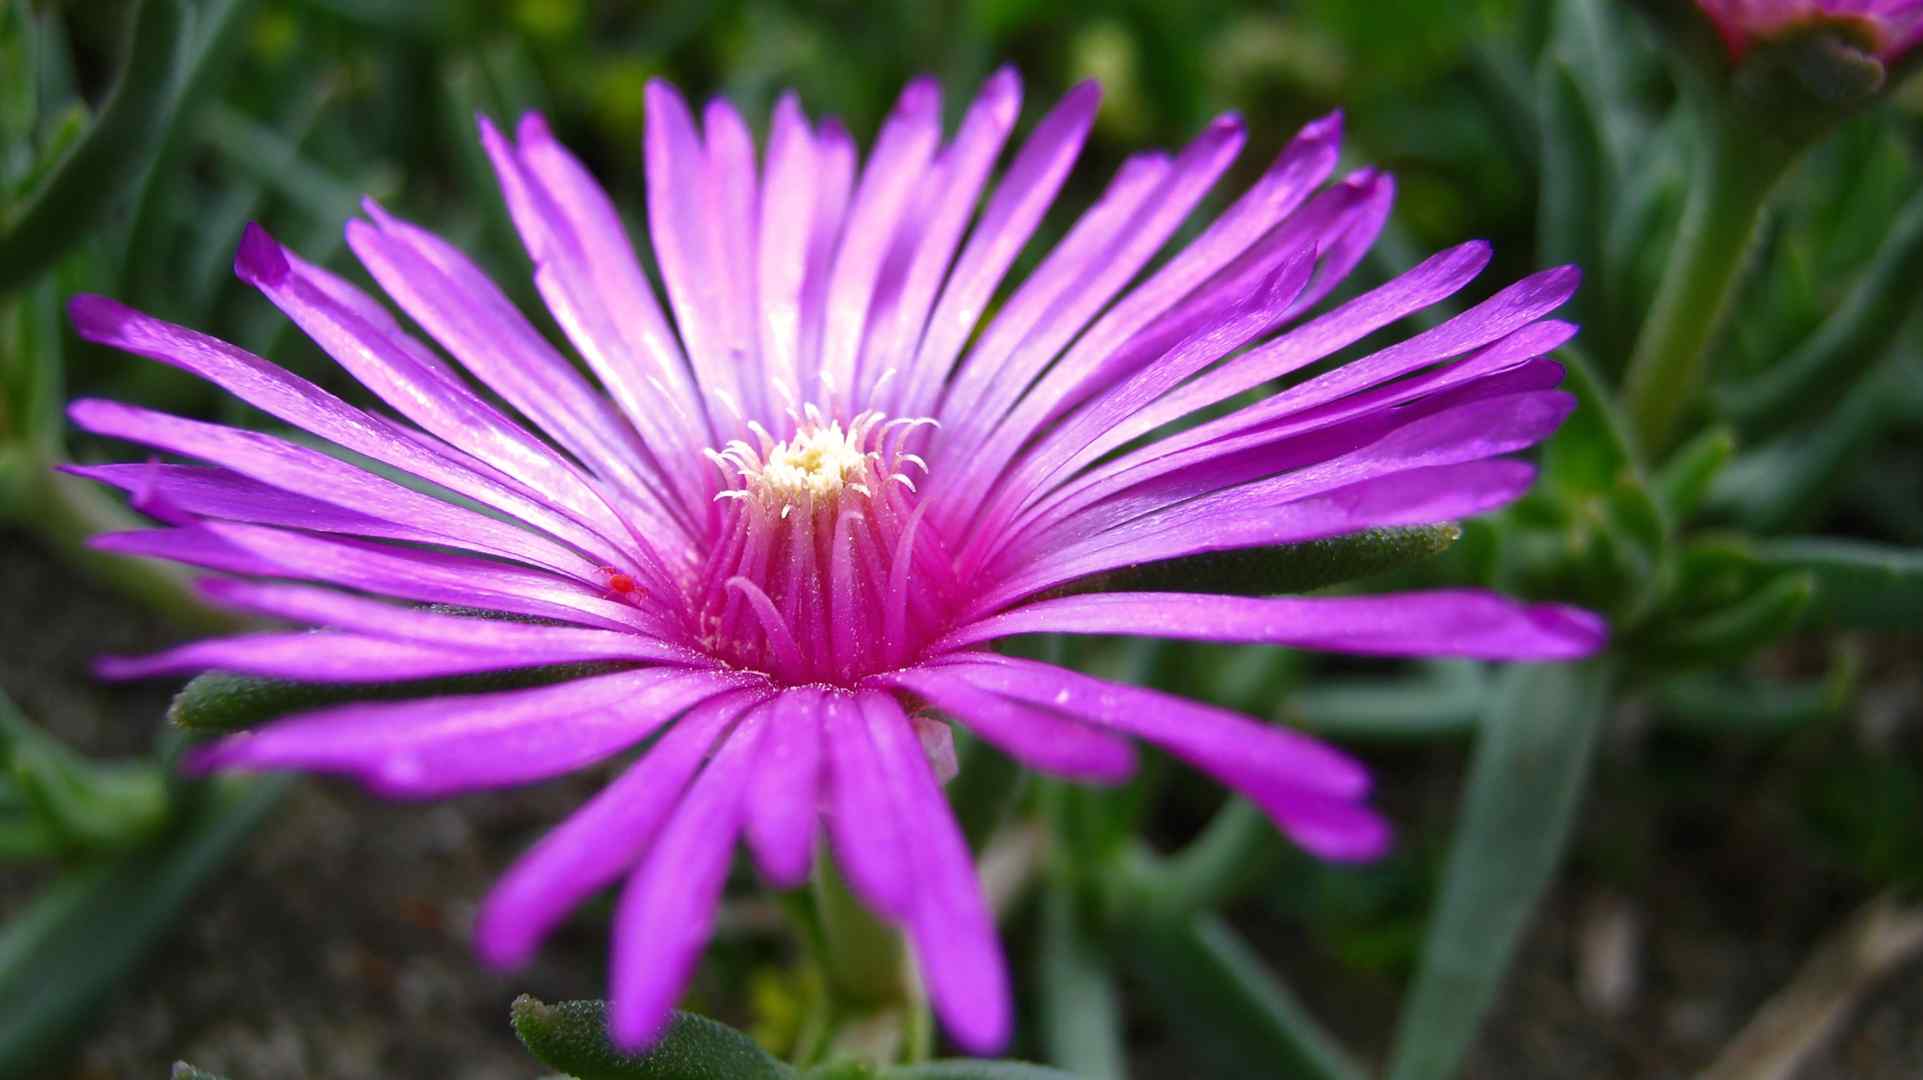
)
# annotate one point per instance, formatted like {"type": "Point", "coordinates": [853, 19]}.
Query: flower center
{"type": "Point", "coordinates": [819, 462]}
{"type": "Point", "coordinates": [820, 568]}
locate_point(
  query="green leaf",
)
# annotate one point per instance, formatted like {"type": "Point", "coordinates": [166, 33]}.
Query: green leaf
{"type": "Point", "coordinates": [1684, 480]}
{"type": "Point", "coordinates": [1736, 631]}
{"type": "Point", "coordinates": [1291, 568]}
{"type": "Point", "coordinates": [1526, 778]}
{"type": "Point", "coordinates": [572, 1036]}
{"type": "Point", "coordinates": [1080, 1007]}
{"type": "Point", "coordinates": [1718, 704]}
{"type": "Point", "coordinates": [62, 956]}
{"type": "Point", "coordinates": [32, 377]}
{"type": "Point", "coordinates": [273, 159]}
{"type": "Point", "coordinates": [1575, 173]}
{"type": "Point", "coordinates": [78, 804]}
{"type": "Point", "coordinates": [1222, 1002]}
{"type": "Point", "coordinates": [1793, 477]}
{"type": "Point", "coordinates": [218, 702]}
{"type": "Point", "coordinates": [116, 152]}
{"type": "Point", "coordinates": [1813, 378]}
{"type": "Point", "coordinates": [1858, 584]}
{"type": "Point", "coordinates": [1445, 701]}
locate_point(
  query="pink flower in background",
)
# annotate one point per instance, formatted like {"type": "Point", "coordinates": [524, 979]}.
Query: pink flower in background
{"type": "Point", "coordinates": [1889, 27]}
{"type": "Point", "coordinates": [795, 505]}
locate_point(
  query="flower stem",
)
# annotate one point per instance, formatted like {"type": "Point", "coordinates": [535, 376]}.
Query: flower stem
{"type": "Point", "coordinates": [865, 958]}
{"type": "Point", "coordinates": [1728, 194]}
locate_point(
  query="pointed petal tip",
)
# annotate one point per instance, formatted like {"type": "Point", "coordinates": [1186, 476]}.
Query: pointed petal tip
{"type": "Point", "coordinates": [533, 127]}
{"type": "Point", "coordinates": [1086, 94]}
{"type": "Point", "coordinates": [634, 1029]}
{"type": "Point", "coordinates": [216, 756]}
{"type": "Point", "coordinates": [1229, 125]}
{"type": "Point", "coordinates": [921, 94]}
{"type": "Point", "coordinates": [90, 413]}
{"type": "Point", "coordinates": [1324, 128]}
{"type": "Point", "coordinates": [984, 1027]}
{"type": "Point", "coordinates": [260, 261]}
{"type": "Point", "coordinates": [1360, 846]}
{"type": "Point", "coordinates": [119, 668]}
{"type": "Point", "coordinates": [500, 944]}
{"type": "Point", "coordinates": [98, 318]}
{"type": "Point", "coordinates": [1576, 632]}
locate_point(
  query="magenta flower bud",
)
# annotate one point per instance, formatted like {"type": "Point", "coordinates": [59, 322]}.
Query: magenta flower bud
{"type": "Point", "coordinates": [1886, 28]}
{"type": "Point", "coordinates": [793, 496]}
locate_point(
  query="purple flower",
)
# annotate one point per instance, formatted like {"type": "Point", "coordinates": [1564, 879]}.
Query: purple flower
{"type": "Point", "coordinates": [796, 515]}
{"type": "Point", "coordinates": [1888, 27]}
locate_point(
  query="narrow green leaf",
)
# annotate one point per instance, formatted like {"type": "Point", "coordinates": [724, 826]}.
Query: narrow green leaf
{"type": "Point", "coordinates": [1684, 480]}
{"type": "Point", "coordinates": [1081, 1010]}
{"type": "Point", "coordinates": [1718, 704]}
{"type": "Point", "coordinates": [218, 702]}
{"type": "Point", "coordinates": [86, 806]}
{"type": "Point", "coordinates": [1526, 778]}
{"type": "Point", "coordinates": [1234, 852]}
{"type": "Point", "coordinates": [572, 1036]}
{"type": "Point", "coordinates": [62, 957]}
{"type": "Point", "coordinates": [863, 957]}
{"type": "Point", "coordinates": [1575, 173]}
{"type": "Point", "coordinates": [115, 153]}
{"type": "Point", "coordinates": [1291, 568]}
{"type": "Point", "coordinates": [271, 157]}
{"type": "Point", "coordinates": [1792, 478]}
{"type": "Point", "coordinates": [1858, 584]}
{"type": "Point", "coordinates": [24, 838]}
{"type": "Point", "coordinates": [221, 35]}
{"type": "Point", "coordinates": [1445, 701]}
{"type": "Point", "coordinates": [1813, 378]}
{"type": "Point", "coordinates": [1738, 630]}
{"type": "Point", "coordinates": [32, 377]}
{"type": "Point", "coordinates": [1225, 1004]}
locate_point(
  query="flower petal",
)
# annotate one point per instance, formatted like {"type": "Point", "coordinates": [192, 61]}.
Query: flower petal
{"type": "Point", "coordinates": [431, 577]}
{"type": "Point", "coordinates": [206, 491]}
{"type": "Point", "coordinates": [1015, 210]}
{"type": "Point", "coordinates": [1296, 780]}
{"type": "Point", "coordinates": [1077, 279]}
{"type": "Point", "coordinates": [375, 618]}
{"type": "Point", "coordinates": [1445, 622]}
{"type": "Point", "coordinates": [954, 937]}
{"type": "Point", "coordinates": [325, 656]}
{"type": "Point", "coordinates": [600, 841]}
{"type": "Point", "coordinates": [902, 311]}
{"type": "Point", "coordinates": [1034, 736]}
{"type": "Point", "coordinates": [868, 838]}
{"type": "Point", "coordinates": [286, 465]}
{"type": "Point", "coordinates": [460, 307]}
{"type": "Point", "coordinates": [896, 168]}
{"type": "Point", "coordinates": [667, 910]}
{"type": "Point", "coordinates": [784, 796]}
{"type": "Point", "coordinates": [288, 397]}
{"type": "Point", "coordinates": [440, 746]}
{"type": "Point", "coordinates": [408, 377]}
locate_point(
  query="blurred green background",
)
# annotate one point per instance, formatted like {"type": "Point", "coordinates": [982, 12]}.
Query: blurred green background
{"type": "Point", "coordinates": [1743, 799]}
